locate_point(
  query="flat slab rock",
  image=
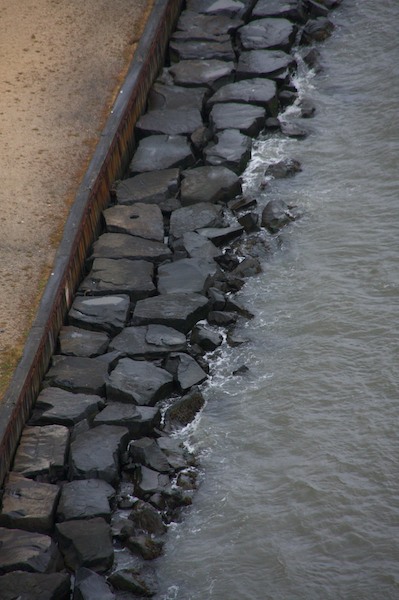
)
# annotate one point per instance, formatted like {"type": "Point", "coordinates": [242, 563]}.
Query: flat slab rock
{"type": "Point", "coordinates": [188, 218]}
{"type": "Point", "coordinates": [28, 504]}
{"type": "Point", "coordinates": [263, 63]}
{"type": "Point", "coordinates": [186, 276]}
{"type": "Point", "coordinates": [120, 245]}
{"type": "Point", "coordinates": [289, 9]}
{"type": "Point", "coordinates": [95, 453]}
{"type": "Point", "coordinates": [158, 152]}
{"type": "Point", "coordinates": [121, 276]}
{"type": "Point", "coordinates": [277, 34]}
{"type": "Point", "coordinates": [209, 184]}
{"type": "Point", "coordinates": [191, 21]}
{"type": "Point", "coordinates": [139, 420]}
{"type": "Point", "coordinates": [155, 187]}
{"type": "Point", "coordinates": [230, 8]}
{"type": "Point", "coordinates": [27, 551]}
{"type": "Point", "coordinates": [60, 407]}
{"type": "Point", "coordinates": [163, 97]}
{"type": "Point", "coordinates": [142, 220]}
{"type": "Point", "coordinates": [248, 119]}
{"type": "Point", "coordinates": [75, 341]}
{"type": "Point", "coordinates": [86, 544]}
{"type": "Point", "coordinates": [139, 382]}
{"type": "Point", "coordinates": [42, 451]}
{"type": "Point", "coordinates": [201, 49]}
{"type": "Point", "coordinates": [149, 341]}
{"type": "Point", "coordinates": [172, 121]}
{"type": "Point", "coordinates": [78, 374]}
{"type": "Point", "coordinates": [91, 586]}
{"type": "Point", "coordinates": [107, 313]}
{"type": "Point", "coordinates": [185, 370]}
{"type": "Point", "coordinates": [196, 246]}
{"type": "Point", "coordinates": [231, 150]}
{"type": "Point", "coordinates": [180, 311]}
{"type": "Point", "coordinates": [203, 73]}
{"type": "Point", "coordinates": [35, 586]}
{"type": "Point", "coordinates": [85, 499]}
{"type": "Point", "coordinates": [222, 235]}
{"type": "Point", "coordinates": [256, 91]}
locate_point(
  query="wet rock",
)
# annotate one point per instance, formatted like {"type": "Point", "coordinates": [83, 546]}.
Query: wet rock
{"type": "Point", "coordinates": [164, 97]}
{"type": "Point", "coordinates": [256, 91]}
{"type": "Point", "coordinates": [222, 235]}
{"type": "Point", "coordinates": [217, 299]}
{"type": "Point", "coordinates": [155, 187]}
{"type": "Point", "coordinates": [108, 313]}
{"type": "Point", "coordinates": [276, 34]}
{"type": "Point", "coordinates": [139, 219]}
{"type": "Point", "coordinates": [200, 49]}
{"type": "Point", "coordinates": [177, 456]}
{"type": "Point", "coordinates": [122, 276]}
{"type": "Point", "coordinates": [248, 119]}
{"type": "Point", "coordinates": [180, 311]}
{"type": "Point", "coordinates": [80, 342]}
{"type": "Point", "coordinates": [216, 25]}
{"type": "Point", "coordinates": [169, 121]}
{"type": "Point", "coordinates": [208, 339]}
{"type": "Point", "coordinates": [272, 124]}
{"type": "Point", "coordinates": [95, 453]}
{"type": "Point", "coordinates": [229, 8]}
{"type": "Point", "coordinates": [85, 499]}
{"type": "Point", "coordinates": [42, 452]}
{"type": "Point", "coordinates": [159, 152]}
{"type": "Point", "coordinates": [283, 168]}
{"type": "Point", "coordinates": [292, 130]}
{"type": "Point", "coordinates": [248, 267]}
{"type": "Point", "coordinates": [228, 260]}
{"type": "Point", "coordinates": [147, 452]}
{"type": "Point", "coordinates": [233, 306]}
{"type": "Point", "coordinates": [317, 9]}
{"type": "Point", "coordinates": [222, 318]}
{"type": "Point", "coordinates": [86, 544]}
{"type": "Point", "coordinates": [187, 480]}
{"type": "Point", "coordinates": [241, 204]}
{"type": "Point", "coordinates": [276, 215]}
{"type": "Point", "coordinates": [35, 586]}
{"type": "Point", "coordinates": [146, 518]}
{"type": "Point", "coordinates": [145, 546]}
{"type": "Point", "coordinates": [186, 276]}
{"type": "Point", "coordinates": [312, 60]}
{"type": "Point", "coordinates": [184, 410]}
{"type": "Point", "coordinates": [289, 9]}
{"type": "Point", "coordinates": [234, 339]}
{"type": "Point", "coordinates": [149, 341]}
{"type": "Point", "coordinates": [148, 481]}
{"type": "Point", "coordinates": [135, 582]}
{"type": "Point", "coordinates": [120, 245]}
{"type": "Point", "coordinates": [317, 30]}
{"type": "Point", "coordinates": [27, 551]}
{"type": "Point", "coordinates": [196, 246]}
{"type": "Point", "coordinates": [139, 420]}
{"type": "Point", "coordinates": [28, 505]}
{"type": "Point", "coordinates": [307, 108]}
{"type": "Point", "coordinates": [232, 150]}
{"type": "Point", "coordinates": [78, 375]}
{"type": "Point", "coordinates": [186, 371]}
{"type": "Point", "coordinates": [60, 407]}
{"type": "Point", "coordinates": [263, 63]}
{"type": "Point", "coordinates": [196, 216]}
{"type": "Point", "coordinates": [249, 221]}
{"type": "Point", "coordinates": [241, 370]}
{"type": "Point", "coordinates": [202, 73]}
{"type": "Point", "coordinates": [287, 97]}
{"type": "Point", "coordinates": [91, 586]}
{"type": "Point", "coordinates": [139, 382]}
{"type": "Point", "coordinates": [209, 184]}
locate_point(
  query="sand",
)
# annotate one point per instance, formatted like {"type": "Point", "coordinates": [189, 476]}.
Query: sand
{"type": "Point", "coordinates": [61, 64]}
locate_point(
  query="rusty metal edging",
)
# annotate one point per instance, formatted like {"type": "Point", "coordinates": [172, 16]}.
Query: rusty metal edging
{"type": "Point", "coordinates": [109, 162]}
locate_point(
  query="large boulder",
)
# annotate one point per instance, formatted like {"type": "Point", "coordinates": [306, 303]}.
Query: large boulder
{"type": "Point", "coordinates": [149, 341]}
{"type": "Point", "coordinates": [196, 246]}
{"type": "Point", "coordinates": [247, 118]}
{"type": "Point", "coordinates": [216, 25]}
{"type": "Point", "coordinates": [158, 152]}
{"type": "Point", "coordinates": [169, 121]}
{"type": "Point", "coordinates": [263, 63]}
{"type": "Point", "coordinates": [140, 219]}
{"type": "Point", "coordinates": [196, 216]}
{"type": "Point", "coordinates": [85, 499]}
{"type": "Point", "coordinates": [180, 311]}
{"type": "Point", "coordinates": [86, 544]}
{"type": "Point", "coordinates": [91, 586]}
{"type": "Point", "coordinates": [42, 452]}
{"type": "Point", "coordinates": [272, 34]}
{"type": "Point", "coordinates": [186, 276]}
{"type": "Point", "coordinates": [139, 382]}
{"type": "Point", "coordinates": [229, 8]}
{"type": "Point", "coordinates": [123, 276]}
{"type": "Point", "coordinates": [36, 586]}
{"type": "Point", "coordinates": [201, 49]}
{"type": "Point", "coordinates": [165, 97]}
{"type": "Point", "coordinates": [186, 371]}
{"type": "Point", "coordinates": [120, 245]}
{"type": "Point", "coordinates": [146, 451]}
{"type": "Point", "coordinates": [27, 551]}
{"type": "Point", "coordinates": [60, 407]}
{"type": "Point", "coordinates": [232, 150]}
{"type": "Point", "coordinates": [202, 73]}
{"type": "Point", "coordinates": [317, 30]}
{"type": "Point", "coordinates": [294, 10]}
{"type": "Point", "coordinates": [78, 375]}
{"type": "Point", "coordinates": [139, 420]}
{"type": "Point", "coordinates": [256, 91]}
{"type": "Point", "coordinates": [154, 187]}
{"type": "Point", "coordinates": [107, 313]}
{"type": "Point", "coordinates": [184, 410]}
{"type": "Point", "coordinates": [209, 184]}
{"type": "Point", "coordinates": [276, 215]}
{"type": "Point", "coordinates": [75, 341]}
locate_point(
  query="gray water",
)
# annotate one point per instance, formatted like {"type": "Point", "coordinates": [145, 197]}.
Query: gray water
{"type": "Point", "coordinates": [299, 498]}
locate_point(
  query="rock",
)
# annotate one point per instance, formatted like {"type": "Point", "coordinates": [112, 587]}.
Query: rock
{"type": "Point", "coordinates": [216, 25]}
{"type": "Point", "coordinates": [272, 124]}
{"type": "Point", "coordinates": [120, 245]}
{"type": "Point", "coordinates": [86, 544]}
{"type": "Point", "coordinates": [200, 138]}
{"type": "Point", "coordinates": [163, 97]}
{"type": "Point", "coordinates": [184, 410]}
{"type": "Point", "coordinates": [209, 184]}
{"type": "Point", "coordinates": [248, 267]}
{"type": "Point", "coordinates": [155, 187]}
{"type": "Point", "coordinates": [196, 216]}
{"type": "Point", "coordinates": [186, 371]}
{"type": "Point", "coordinates": [207, 339]}
{"type": "Point", "coordinates": [139, 420]}
{"type": "Point", "coordinates": [202, 73]}
{"type": "Point", "coordinates": [287, 98]}
{"type": "Point", "coordinates": [195, 245]}
{"type": "Point", "coordinates": [78, 375]}
{"type": "Point", "coordinates": [200, 49]}
{"type": "Point", "coordinates": [273, 34]}
{"type": "Point", "coordinates": [249, 221]}
{"type": "Point", "coordinates": [27, 551]}
{"type": "Point", "coordinates": [217, 299]}
{"type": "Point", "coordinates": [35, 586]}
{"type": "Point", "coordinates": [133, 581]}
{"type": "Point", "coordinates": [256, 91]}
{"type": "Point", "coordinates": [177, 456]}
{"type": "Point", "coordinates": [228, 260]}
{"type": "Point", "coordinates": [42, 452]}
{"type": "Point", "coordinates": [292, 130]}
{"type": "Point", "coordinates": [159, 152]}
{"type": "Point", "coordinates": [146, 518]}
{"type": "Point", "coordinates": [148, 482]}
{"type": "Point", "coordinates": [241, 204]}
{"type": "Point", "coordinates": [307, 108]}
{"type": "Point", "coordinates": [312, 60]}
{"type": "Point", "coordinates": [234, 306]}
{"type": "Point", "coordinates": [289, 9]}
{"type": "Point", "coordinates": [139, 382]}
{"type": "Point", "coordinates": [229, 8]}
{"type": "Point", "coordinates": [28, 504]}
{"type": "Point", "coordinates": [108, 313]}
{"type": "Point", "coordinates": [91, 586]}
{"type": "Point", "coordinates": [149, 341]}
{"type": "Point", "coordinates": [263, 63]}
{"type": "Point", "coordinates": [186, 276]}
{"type": "Point", "coordinates": [283, 168]}
{"type": "Point", "coordinates": [234, 339]}
{"type": "Point", "coordinates": [147, 452]}
{"type": "Point", "coordinates": [317, 30]}
{"type": "Point", "coordinates": [80, 342]}
{"type": "Point", "coordinates": [85, 499]}
{"type": "Point", "coordinates": [60, 407]}
{"type": "Point", "coordinates": [221, 236]}
{"type": "Point", "coordinates": [222, 318]}
{"type": "Point", "coordinates": [169, 121]}
{"type": "Point", "coordinates": [145, 546]}
{"type": "Point", "coordinates": [123, 276]}
{"type": "Point", "coordinates": [139, 219]}
{"type": "Point", "coordinates": [248, 119]}
{"type": "Point", "coordinates": [180, 311]}
{"type": "Point", "coordinates": [95, 453]}
{"type": "Point", "coordinates": [317, 9]}
{"type": "Point", "coordinates": [276, 215]}
{"type": "Point", "coordinates": [232, 150]}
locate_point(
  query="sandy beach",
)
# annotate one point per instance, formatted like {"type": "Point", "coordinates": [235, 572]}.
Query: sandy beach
{"type": "Point", "coordinates": [61, 65]}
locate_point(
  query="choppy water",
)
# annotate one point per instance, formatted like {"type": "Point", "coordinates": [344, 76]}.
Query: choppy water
{"type": "Point", "coordinates": [300, 493]}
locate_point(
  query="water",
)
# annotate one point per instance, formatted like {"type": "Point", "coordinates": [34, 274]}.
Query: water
{"type": "Point", "coordinates": [300, 492]}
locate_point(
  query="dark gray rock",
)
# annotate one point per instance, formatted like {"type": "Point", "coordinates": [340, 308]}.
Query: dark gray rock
{"type": "Point", "coordinates": [289, 9]}
{"type": "Point", "coordinates": [145, 546]}
{"type": "Point", "coordinates": [42, 452]}
{"type": "Point", "coordinates": [231, 302]}
{"type": "Point", "coordinates": [148, 482]}
{"type": "Point", "coordinates": [95, 453]}
{"type": "Point", "coordinates": [230, 8]}
{"type": "Point", "coordinates": [283, 168]}
{"type": "Point", "coordinates": [217, 299]}
{"type": "Point", "coordinates": [27, 551]}
{"type": "Point", "coordinates": [248, 119]}
{"type": "Point", "coordinates": [184, 410]}
{"type": "Point", "coordinates": [317, 9]}
{"type": "Point", "coordinates": [177, 456]}
{"type": "Point", "coordinates": [287, 97]}
{"type": "Point", "coordinates": [123, 276]}
{"type": "Point", "coordinates": [147, 452]}
{"type": "Point", "coordinates": [139, 219]}
{"type": "Point", "coordinates": [249, 221]}
{"type": "Point", "coordinates": [146, 518]}
{"type": "Point", "coordinates": [35, 586]}
{"type": "Point", "coordinates": [273, 34]}
{"type": "Point", "coordinates": [180, 311]}
{"type": "Point", "coordinates": [248, 267]}
{"type": "Point", "coordinates": [86, 544]}
{"type": "Point", "coordinates": [186, 276]}
{"type": "Point", "coordinates": [120, 245]}
{"type": "Point", "coordinates": [202, 73]}
{"type": "Point", "coordinates": [197, 216]}
{"type": "Point", "coordinates": [199, 35]}
{"type": "Point", "coordinates": [209, 184]}
{"type": "Point", "coordinates": [221, 236]}
{"type": "Point", "coordinates": [85, 499]}
{"type": "Point", "coordinates": [256, 91]}
{"type": "Point", "coordinates": [163, 97]}
{"type": "Point", "coordinates": [240, 204]}
{"type": "Point", "coordinates": [234, 339]}
{"type": "Point", "coordinates": [192, 22]}
{"type": "Point", "coordinates": [232, 150]}
{"type": "Point", "coordinates": [135, 582]}
{"type": "Point", "coordinates": [200, 49]}
{"type": "Point", "coordinates": [222, 318]}
{"type": "Point", "coordinates": [28, 505]}
{"type": "Point", "coordinates": [186, 371]}
{"type": "Point", "coordinates": [78, 375]}
{"type": "Point", "coordinates": [80, 342]}
{"type": "Point", "coordinates": [312, 59]}
{"type": "Point", "coordinates": [139, 382]}
{"type": "Point", "coordinates": [307, 108]}
{"type": "Point", "coordinates": [139, 420]}
{"type": "Point", "coordinates": [228, 260]}
{"type": "Point", "coordinates": [60, 407]}
{"type": "Point", "coordinates": [263, 63]}
{"type": "Point", "coordinates": [291, 129]}
{"type": "Point", "coordinates": [208, 339]}
{"type": "Point", "coordinates": [276, 215]}
{"type": "Point", "coordinates": [317, 30]}
{"type": "Point", "coordinates": [169, 121]}
{"type": "Point", "coordinates": [159, 152]}
{"type": "Point", "coordinates": [155, 187]}
{"type": "Point", "coordinates": [91, 586]}
{"type": "Point", "coordinates": [200, 138]}
{"type": "Point", "coordinates": [149, 341]}
{"type": "Point", "coordinates": [107, 313]}
{"type": "Point", "coordinates": [196, 246]}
